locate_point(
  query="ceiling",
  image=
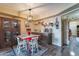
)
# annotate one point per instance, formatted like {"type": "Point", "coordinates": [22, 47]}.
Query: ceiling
{"type": "Point", "coordinates": [74, 15]}
{"type": "Point", "coordinates": [40, 10]}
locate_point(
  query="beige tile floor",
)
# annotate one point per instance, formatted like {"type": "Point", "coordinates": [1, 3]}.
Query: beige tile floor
{"type": "Point", "coordinates": [52, 51]}
{"type": "Point", "coordinates": [56, 51]}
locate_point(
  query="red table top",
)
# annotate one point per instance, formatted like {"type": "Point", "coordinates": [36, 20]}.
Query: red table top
{"type": "Point", "coordinates": [28, 37]}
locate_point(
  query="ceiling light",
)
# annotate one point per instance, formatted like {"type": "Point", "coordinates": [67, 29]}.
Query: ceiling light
{"type": "Point", "coordinates": [30, 17]}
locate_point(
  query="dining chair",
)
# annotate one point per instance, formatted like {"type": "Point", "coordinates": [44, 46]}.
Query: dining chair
{"type": "Point", "coordinates": [21, 47]}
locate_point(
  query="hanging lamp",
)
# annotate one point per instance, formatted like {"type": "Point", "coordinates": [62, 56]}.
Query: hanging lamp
{"type": "Point", "coordinates": [30, 17]}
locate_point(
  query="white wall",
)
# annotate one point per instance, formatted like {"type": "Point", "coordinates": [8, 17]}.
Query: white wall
{"type": "Point", "coordinates": [56, 40]}
{"type": "Point", "coordinates": [57, 33]}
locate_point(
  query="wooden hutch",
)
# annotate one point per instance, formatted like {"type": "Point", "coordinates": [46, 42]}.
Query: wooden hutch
{"type": "Point", "coordinates": [9, 28]}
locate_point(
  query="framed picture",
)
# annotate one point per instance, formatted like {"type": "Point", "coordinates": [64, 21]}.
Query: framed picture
{"type": "Point", "coordinates": [57, 23]}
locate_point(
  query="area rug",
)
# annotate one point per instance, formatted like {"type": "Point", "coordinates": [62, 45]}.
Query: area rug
{"type": "Point", "coordinates": [12, 52]}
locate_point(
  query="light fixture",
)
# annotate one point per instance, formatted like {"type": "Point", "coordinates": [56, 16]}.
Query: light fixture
{"type": "Point", "coordinates": [30, 17]}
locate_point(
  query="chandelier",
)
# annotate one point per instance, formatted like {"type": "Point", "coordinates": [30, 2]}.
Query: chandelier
{"type": "Point", "coordinates": [29, 17]}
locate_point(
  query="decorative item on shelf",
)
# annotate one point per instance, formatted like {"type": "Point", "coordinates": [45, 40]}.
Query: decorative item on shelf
{"type": "Point", "coordinates": [51, 24]}
{"type": "Point", "coordinates": [57, 23]}
{"type": "Point", "coordinates": [36, 23]}
{"type": "Point", "coordinates": [39, 22]}
{"type": "Point", "coordinates": [15, 24]}
{"type": "Point", "coordinates": [6, 24]}
{"type": "Point", "coordinates": [42, 23]}
{"type": "Point", "coordinates": [45, 24]}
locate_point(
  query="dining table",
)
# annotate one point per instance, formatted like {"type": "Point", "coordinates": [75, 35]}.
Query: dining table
{"type": "Point", "coordinates": [28, 39]}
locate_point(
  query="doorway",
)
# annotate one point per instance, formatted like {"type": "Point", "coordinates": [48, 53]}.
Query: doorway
{"type": "Point", "coordinates": [70, 41]}
{"type": "Point", "coordinates": [65, 32]}
{"type": "Point", "coordinates": [65, 37]}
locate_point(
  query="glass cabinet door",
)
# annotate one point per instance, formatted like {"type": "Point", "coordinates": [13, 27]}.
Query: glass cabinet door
{"type": "Point", "coordinates": [0, 25]}
{"type": "Point", "coordinates": [0, 33]}
{"type": "Point", "coordinates": [7, 36]}
{"type": "Point", "coordinates": [15, 29]}
{"type": "Point", "coordinates": [16, 26]}
{"type": "Point", "coordinates": [6, 24]}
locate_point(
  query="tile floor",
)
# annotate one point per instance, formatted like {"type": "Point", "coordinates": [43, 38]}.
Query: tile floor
{"type": "Point", "coordinates": [54, 50]}
{"type": "Point", "coordinates": [12, 52]}
{"type": "Point", "coordinates": [57, 51]}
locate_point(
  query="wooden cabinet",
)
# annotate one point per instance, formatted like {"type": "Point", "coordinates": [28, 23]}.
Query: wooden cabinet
{"type": "Point", "coordinates": [43, 38]}
{"type": "Point", "coordinates": [6, 31]}
{"type": "Point", "coordinates": [9, 28]}
{"type": "Point", "coordinates": [0, 33]}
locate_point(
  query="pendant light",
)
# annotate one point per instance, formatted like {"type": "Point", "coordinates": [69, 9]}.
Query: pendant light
{"type": "Point", "coordinates": [30, 17]}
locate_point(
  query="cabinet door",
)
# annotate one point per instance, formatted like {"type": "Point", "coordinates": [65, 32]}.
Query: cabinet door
{"type": "Point", "coordinates": [6, 24]}
{"type": "Point", "coordinates": [7, 36]}
{"type": "Point", "coordinates": [16, 26]}
{"type": "Point", "coordinates": [6, 27]}
{"type": "Point", "coordinates": [0, 23]}
{"type": "Point", "coordinates": [15, 29]}
{"type": "Point", "coordinates": [0, 33]}
{"type": "Point", "coordinates": [19, 22]}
